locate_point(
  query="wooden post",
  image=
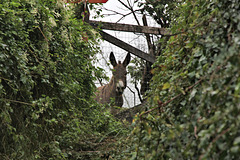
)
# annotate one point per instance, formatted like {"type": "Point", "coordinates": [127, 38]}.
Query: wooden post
{"type": "Point", "coordinates": [130, 28]}
{"type": "Point", "coordinates": [127, 47]}
{"type": "Point", "coordinates": [147, 75]}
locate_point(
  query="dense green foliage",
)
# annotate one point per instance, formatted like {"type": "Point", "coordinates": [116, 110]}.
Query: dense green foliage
{"type": "Point", "coordinates": [196, 87]}
{"type": "Point", "coordinates": [46, 85]}
{"type": "Point", "coordinates": [46, 82]}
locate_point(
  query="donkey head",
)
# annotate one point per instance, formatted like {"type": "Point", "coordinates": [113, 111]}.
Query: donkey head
{"type": "Point", "coordinates": [120, 72]}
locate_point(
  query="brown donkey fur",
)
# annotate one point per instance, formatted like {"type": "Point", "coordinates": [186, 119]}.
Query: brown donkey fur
{"type": "Point", "coordinates": [114, 89]}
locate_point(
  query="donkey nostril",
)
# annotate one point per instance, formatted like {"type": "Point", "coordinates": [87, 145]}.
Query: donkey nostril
{"type": "Point", "coordinates": [120, 89]}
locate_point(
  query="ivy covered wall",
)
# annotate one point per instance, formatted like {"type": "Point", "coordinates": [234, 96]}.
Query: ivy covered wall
{"type": "Point", "coordinates": [46, 81]}
{"type": "Point", "coordinates": [195, 91]}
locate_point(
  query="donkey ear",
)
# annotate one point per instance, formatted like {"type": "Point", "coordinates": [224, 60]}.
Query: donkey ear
{"type": "Point", "coordinates": [127, 60]}
{"type": "Point", "coordinates": [112, 59]}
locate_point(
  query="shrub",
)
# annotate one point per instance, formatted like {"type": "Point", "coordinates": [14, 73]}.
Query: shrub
{"type": "Point", "coordinates": [46, 81]}
{"type": "Point", "coordinates": [195, 89]}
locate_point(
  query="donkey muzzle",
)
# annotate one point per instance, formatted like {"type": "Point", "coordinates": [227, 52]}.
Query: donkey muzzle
{"type": "Point", "coordinates": [120, 87]}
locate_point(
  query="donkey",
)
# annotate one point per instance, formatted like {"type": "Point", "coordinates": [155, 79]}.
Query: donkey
{"type": "Point", "coordinates": [114, 89]}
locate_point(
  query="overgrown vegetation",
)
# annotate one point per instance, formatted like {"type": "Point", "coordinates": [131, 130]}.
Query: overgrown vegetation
{"type": "Point", "coordinates": [46, 83]}
{"type": "Point", "coordinates": [195, 91]}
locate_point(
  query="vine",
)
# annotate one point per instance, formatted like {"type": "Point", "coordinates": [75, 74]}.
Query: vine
{"type": "Point", "coordinates": [46, 82]}
{"type": "Point", "coordinates": [196, 80]}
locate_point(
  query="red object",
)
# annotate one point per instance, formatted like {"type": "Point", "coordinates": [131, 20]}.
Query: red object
{"type": "Point", "coordinates": [97, 1]}
{"type": "Point", "coordinates": [90, 1]}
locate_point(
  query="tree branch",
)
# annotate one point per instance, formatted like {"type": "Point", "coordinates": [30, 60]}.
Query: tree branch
{"type": "Point", "coordinates": [172, 99]}
{"type": "Point", "coordinates": [131, 9]}
{"type": "Point", "coordinates": [214, 140]}
{"type": "Point", "coordinates": [18, 102]}
{"type": "Point", "coordinates": [139, 94]}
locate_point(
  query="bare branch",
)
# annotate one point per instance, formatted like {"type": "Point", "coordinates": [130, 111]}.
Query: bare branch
{"type": "Point", "coordinates": [131, 9]}
{"type": "Point", "coordinates": [139, 94]}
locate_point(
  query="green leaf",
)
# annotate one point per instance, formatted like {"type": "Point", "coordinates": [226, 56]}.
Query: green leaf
{"type": "Point", "coordinates": [236, 141]}
{"type": "Point", "coordinates": [235, 149]}
{"type": "Point", "coordinates": [193, 93]}
{"type": "Point", "coordinates": [166, 86]}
